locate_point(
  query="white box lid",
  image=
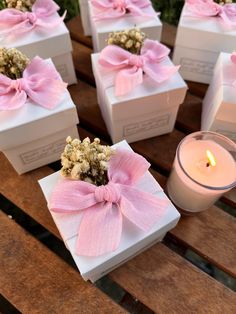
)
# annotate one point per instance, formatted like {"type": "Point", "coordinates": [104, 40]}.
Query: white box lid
{"type": "Point", "coordinates": [131, 235]}
{"type": "Point", "coordinates": [31, 122]}
{"type": "Point", "coordinates": [207, 33]}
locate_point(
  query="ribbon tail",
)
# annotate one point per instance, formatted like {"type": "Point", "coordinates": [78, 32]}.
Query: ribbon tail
{"type": "Point", "coordinates": [100, 230]}
{"type": "Point", "coordinates": [141, 208]}
{"type": "Point", "coordinates": [127, 79]}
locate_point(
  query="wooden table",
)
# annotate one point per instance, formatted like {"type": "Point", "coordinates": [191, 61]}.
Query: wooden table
{"type": "Point", "coordinates": [36, 280]}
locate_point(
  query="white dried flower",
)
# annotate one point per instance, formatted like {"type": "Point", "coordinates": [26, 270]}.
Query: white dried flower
{"type": "Point", "coordinates": [86, 160]}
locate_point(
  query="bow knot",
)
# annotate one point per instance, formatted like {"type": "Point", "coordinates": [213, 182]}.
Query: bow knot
{"type": "Point", "coordinates": [29, 16]}
{"type": "Point", "coordinates": [17, 84]}
{"type": "Point", "coordinates": [107, 193]}
{"type": "Point", "coordinates": [209, 8]}
{"type": "Point", "coordinates": [135, 60]}
{"type": "Point", "coordinates": [44, 15]}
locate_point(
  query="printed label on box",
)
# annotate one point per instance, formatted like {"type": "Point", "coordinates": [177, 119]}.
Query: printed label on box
{"type": "Point", "coordinates": [62, 69]}
{"type": "Point", "coordinates": [197, 66]}
{"type": "Point", "coordinates": [146, 125]}
{"type": "Point", "coordinates": [43, 152]}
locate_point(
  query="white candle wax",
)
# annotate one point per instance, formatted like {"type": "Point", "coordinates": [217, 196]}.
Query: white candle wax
{"type": "Point", "coordinates": [192, 196]}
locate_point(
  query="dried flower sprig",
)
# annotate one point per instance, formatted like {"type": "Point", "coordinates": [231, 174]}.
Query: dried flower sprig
{"type": "Point", "coordinates": [130, 39]}
{"type": "Point", "coordinates": [223, 2]}
{"type": "Point", "coordinates": [86, 161]}
{"type": "Point", "coordinates": [12, 62]}
{"type": "Point", "coordinates": [22, 5]}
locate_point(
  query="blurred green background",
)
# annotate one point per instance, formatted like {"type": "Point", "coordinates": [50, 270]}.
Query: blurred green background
{"type": "Point", "coordinates": [170, 9]}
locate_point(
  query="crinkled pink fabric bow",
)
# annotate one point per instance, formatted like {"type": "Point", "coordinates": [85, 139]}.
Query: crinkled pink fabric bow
{"type": "Point", "coordinates": [40, 82]}
{"type": "Point", "coordinates": [209, 8]}
{"type": "Point", "coordinates": [43, 15]}
{"type": "Point", "coordinates": [109, 9]}
{"type": "Point", "coordinates": [103, 208]}
{"type": "Point", "coordinates": [131, 67]}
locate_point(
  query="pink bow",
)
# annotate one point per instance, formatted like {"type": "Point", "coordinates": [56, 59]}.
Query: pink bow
{"type": "Point", "coordinates": [43, 15]}
{"type": "Point", "coordinates": [102, 208]}
{"type": "Point", "coordinates": [40, 82]}
{"type": "Point", "coordinates": [209, 8]}
{"type": "Point", "coordinates": [109, 9]}
{"type": "Point", "coordinates": [131, 67]}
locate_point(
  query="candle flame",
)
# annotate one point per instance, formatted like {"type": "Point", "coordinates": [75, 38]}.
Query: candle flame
{"type": "Point", "coordinates": [211, 158]}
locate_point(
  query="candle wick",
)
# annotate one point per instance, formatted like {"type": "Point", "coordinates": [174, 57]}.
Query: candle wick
{"type": "Point", "coordinates": [208, 164]}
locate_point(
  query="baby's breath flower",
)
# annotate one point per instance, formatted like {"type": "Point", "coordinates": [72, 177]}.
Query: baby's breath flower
{"type": "Point", "coordinates": [22, 5]}
{"type": "Point", "coordinates": [86, 160]}
{"type": "Point", "coordinates": [12, 63]}
{"type": "Point", "coordinates": [131, 39]}
{"type": "Point", "coordinates": [223, 2]}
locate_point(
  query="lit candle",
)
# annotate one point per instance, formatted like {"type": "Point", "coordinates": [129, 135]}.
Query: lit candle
{"type": "Point", "coordinates": [203, 170]}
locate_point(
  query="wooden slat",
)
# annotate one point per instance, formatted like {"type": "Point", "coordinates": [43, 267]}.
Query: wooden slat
{"type": "Point", "coordinates": [35, 280]}
{"type": "Point", "coordinates": [77, 33]}
{"type": "Point", "coordinates": [167, 283]}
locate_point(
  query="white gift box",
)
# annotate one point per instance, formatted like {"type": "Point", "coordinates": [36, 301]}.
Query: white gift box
{"type": "Point", "coordinates": [54, 44]}
{"type": "Point", "coordinates": [133, 240]}
{"type": "Point", "coordinates": [198, 44]}
{"type": "Point", "coordinates": [84, 13]}
{"type": "Point", "coordinates": [33, 136]}
{"type": "Point", "coordinates": [148, 111]}
{"type": "Point", "coordinates": [101, 29]}
{"type": "Point", "coordinates": [219, 104]}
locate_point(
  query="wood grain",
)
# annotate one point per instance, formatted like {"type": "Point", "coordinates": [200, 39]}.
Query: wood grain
{"type": "Point", "coordinates": [35, 280]}
{"type": "Point", "coordinates": [167, 283]}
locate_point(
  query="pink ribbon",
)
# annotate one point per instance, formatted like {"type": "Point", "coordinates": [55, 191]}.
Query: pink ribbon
{"type": "Point", "coordinates": [44, 14]}
{"type": "Point", "coordinates": [131, 67]}
{"type": "Point", "coordinates": [110, 9]}
{"type": "Point", "coordinates": [103, 208]}
{"type": "Point", "coordinates": [209, 8]}
{"type": "Point", "coordinates": [40, 82]}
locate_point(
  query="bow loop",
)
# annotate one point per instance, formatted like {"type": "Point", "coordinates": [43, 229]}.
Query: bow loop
{"type": "Point", "coordinates": [209, 8]}
{"type": "Point", "coordinates": [131, 68]}
{"type": "Point", "coordinates": [40, 82]}
{"type": "Point", "coordinates": [107, 193]}
{"type": "Point", "coordinates": [43, 15]}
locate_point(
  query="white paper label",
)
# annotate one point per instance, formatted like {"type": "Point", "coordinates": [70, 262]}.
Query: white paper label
{"type": "Point", "coordinates": [146, 125]}
{"type": "Point", "coordinates": [43, 152]}
{"type": "Point", "coordinates": [62, 69]}
{"type": "Point", "coordinates": [197, 66]}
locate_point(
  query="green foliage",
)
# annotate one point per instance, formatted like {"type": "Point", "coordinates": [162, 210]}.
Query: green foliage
{"type": "Point", "coordinates": [72, 7]}
{"type": "Point", "coordinates": [2, 4]}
